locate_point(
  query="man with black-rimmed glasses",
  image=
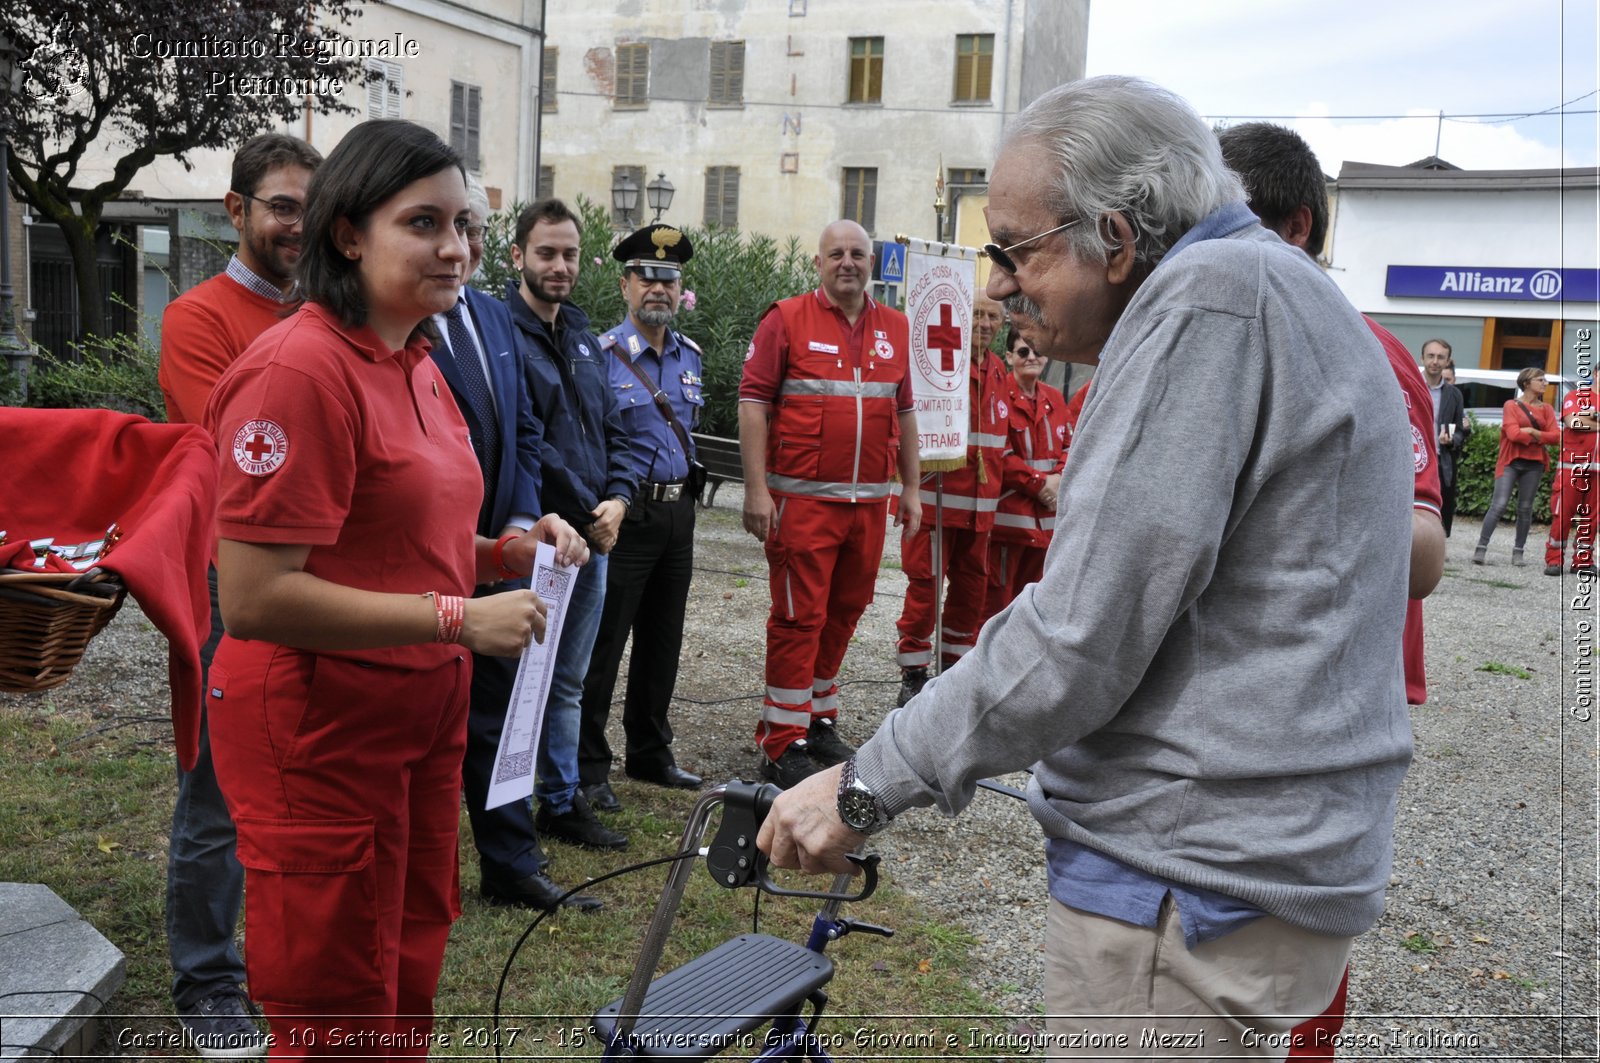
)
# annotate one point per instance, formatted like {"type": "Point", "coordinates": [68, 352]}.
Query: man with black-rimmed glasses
{"type": "Point", "coordinates": [202, 332]}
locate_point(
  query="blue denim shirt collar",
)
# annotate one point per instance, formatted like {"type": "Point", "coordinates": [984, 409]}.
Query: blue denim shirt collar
{"type": "Point", "coordinates": [1224, 221]}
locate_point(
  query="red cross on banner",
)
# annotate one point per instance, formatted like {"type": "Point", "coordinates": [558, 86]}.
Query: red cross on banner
{"type": "Point", "coordinates": [945, 338]}
{"type": "Point", "coordinates": [258, 446]}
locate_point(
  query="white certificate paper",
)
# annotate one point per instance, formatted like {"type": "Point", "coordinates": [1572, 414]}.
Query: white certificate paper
{"type": "Point", "coordinates": [519, 738]}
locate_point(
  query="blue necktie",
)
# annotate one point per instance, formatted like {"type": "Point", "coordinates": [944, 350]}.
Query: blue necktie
{"type": "Point", "coordinates": [485, 426]}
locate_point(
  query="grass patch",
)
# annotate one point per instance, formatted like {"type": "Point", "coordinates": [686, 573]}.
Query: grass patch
{"type": "Point", "coordinates": [86, 810]}
{"type": "Point", "coordinates": [1504, 584]}
{"type": "Point", "coordinates": [1420, 943]}
{"type": "Point", "coordinates": [1496, 668]}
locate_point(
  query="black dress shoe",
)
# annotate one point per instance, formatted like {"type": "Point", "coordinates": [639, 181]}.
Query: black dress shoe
{"type": "Point", "coordinates": [578, 825]}
{"type": "Point", "coordinates": [602, 798]}
{"type": "Point", "coordinates": [537, 890]}
{"type": "Point", "coordinates": [671, 775]}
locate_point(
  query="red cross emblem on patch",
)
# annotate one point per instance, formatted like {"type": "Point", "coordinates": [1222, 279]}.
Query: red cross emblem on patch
{"type": "Point", "coordinates": [1419, 450]}
{"type": "Point", "coordinates": [260, 447]}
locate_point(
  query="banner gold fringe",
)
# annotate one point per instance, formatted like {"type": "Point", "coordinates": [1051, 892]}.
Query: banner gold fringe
{"type": "Point", "coordinates": [944, 465]}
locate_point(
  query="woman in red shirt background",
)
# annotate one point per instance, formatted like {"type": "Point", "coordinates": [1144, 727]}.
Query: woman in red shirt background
{"type": "Point", "coordinates": [1527, 426]}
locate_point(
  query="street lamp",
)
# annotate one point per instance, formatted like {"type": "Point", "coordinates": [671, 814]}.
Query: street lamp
{"type": "Point", "coordinates": [625, 197]}
{"type": "Point", "coordinates": [12, 348]}
{"type": "Point", "coordinates": [660, 192]}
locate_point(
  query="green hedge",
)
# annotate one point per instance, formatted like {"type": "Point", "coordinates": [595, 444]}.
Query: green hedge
{"type": "Point", "coordinates": [1475, 475]}
{"type": "Point", "coordinates": [113, 374]}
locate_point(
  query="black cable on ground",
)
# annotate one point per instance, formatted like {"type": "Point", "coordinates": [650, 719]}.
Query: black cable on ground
{"type": "Point", "coordinates": [505, 972]}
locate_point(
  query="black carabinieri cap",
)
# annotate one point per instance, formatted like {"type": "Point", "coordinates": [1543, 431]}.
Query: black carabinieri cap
{"type": "Point", "coordinates": [656, 252]}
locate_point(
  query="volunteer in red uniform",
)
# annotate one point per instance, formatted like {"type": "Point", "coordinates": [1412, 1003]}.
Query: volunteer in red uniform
{"type": "Point", "coordinates": [1037, 438]}
{"type": "Point", "coordinates": [338, 700]}
{"type": "Point", "coordinates": [1527, 427]}
{"type": "Point", "coordinates": [826, 417]}
{"type": "Point", "coordinates": [1573, 496]}
{"type": "Point", "coordinates": [965, 518]}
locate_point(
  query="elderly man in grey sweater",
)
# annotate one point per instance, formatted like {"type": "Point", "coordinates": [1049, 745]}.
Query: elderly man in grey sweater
{"type": "Point", "coordinates": [1210, 663]}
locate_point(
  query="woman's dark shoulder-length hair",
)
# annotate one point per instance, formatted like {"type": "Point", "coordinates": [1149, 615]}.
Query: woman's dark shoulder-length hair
{"type": "Point", "coordinates": [374, 161]}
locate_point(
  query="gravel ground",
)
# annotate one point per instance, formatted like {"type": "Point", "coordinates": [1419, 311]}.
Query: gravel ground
{"type": "Point", "coordinates": [1487, 949]}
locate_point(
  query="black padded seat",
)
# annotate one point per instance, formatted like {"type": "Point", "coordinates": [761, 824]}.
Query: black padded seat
{"type": "Point", "coordinates": [709, 1003]}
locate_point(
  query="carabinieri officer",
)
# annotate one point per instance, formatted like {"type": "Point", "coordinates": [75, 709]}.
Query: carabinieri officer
{"type": "Point", "coordinates": [655, 372]}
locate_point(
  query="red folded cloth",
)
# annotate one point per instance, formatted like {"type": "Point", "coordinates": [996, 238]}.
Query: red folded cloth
{"type": "Point", "coordinates": [71, 474]}
{"type": "Point", "coordinates": [20, 555]}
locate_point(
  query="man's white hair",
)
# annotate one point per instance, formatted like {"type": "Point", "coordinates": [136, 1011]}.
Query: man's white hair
{"type": "Point", "coordinates": [1127, 145]}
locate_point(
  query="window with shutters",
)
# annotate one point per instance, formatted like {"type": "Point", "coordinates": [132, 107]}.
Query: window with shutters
{"type": "Point", "coordinates": [860, 195]}
{"type": "Point", "coordinates": [546, 188]}
{"type": "Point", "coordinates": [866, 70]}
{"type": "Point", "coordinates": [722, 196]}
{"type": "Point", "coordinates": [465, 107]}
{"type": "Point", "coordinates": [385, 89]}
{"type": "Point", "coordinates": [727, 74]}
{"type": "Point", "coordinates": [547, 80]}
{"type": "Point", "coordinates": [637, 173]}
{"type": "Point", "coordinates": [633, 77]}
{"type": "Point", "coordinates": [974, 67]}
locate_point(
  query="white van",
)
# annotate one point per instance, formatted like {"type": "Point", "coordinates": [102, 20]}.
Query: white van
{"type": "Point", "coordinates": [1486, 391]}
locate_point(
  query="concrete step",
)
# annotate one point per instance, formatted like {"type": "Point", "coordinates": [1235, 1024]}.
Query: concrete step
{"type": "Point", "coordinates": [63, 969]}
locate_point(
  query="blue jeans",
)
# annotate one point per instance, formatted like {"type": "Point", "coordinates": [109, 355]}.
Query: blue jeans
{"type": "Point", "coordinates": [205, 883]}
{"type": "Point", "coordinates": [563, 714]}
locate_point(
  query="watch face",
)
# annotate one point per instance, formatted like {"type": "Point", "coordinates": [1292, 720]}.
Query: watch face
{"type": "Point", "coordinates": [857, 809]}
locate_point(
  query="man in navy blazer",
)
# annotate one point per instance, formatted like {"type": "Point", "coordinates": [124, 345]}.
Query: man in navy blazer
{"type": "Point", "coordinates": [477, 354]}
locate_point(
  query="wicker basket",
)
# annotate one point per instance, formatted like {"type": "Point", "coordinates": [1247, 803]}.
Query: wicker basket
{"type": "Point", "coordinates": [46, 622]}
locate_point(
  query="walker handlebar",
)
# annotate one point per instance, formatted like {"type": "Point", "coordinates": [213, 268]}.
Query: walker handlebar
{"type": "Point", "coordinates": [734, 860]}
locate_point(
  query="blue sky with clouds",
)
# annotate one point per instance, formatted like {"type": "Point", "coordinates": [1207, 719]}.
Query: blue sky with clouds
{"type": "Point", "coordinates": [1365, 80]}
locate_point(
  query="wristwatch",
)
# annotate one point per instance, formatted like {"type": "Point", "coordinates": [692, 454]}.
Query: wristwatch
{"type": "Point", "coordinates": [859, 807]}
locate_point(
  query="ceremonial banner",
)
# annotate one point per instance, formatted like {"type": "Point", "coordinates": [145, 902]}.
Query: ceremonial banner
{"type": "Point", "coordinates": [939, 284]}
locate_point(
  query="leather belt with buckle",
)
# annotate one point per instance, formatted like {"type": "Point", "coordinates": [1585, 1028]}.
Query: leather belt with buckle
{"type": "Point", "coordinates": [663, 492]}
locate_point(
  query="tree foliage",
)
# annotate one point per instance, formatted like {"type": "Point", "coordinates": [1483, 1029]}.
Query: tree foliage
{"type": "Point", "coordinates": [733, 275]}
{"type": "Point", "coordinates": [141, 80]}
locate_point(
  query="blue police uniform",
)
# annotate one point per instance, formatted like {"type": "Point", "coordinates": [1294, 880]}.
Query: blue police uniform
{"type": "Point", "coordinates": [647, 581]}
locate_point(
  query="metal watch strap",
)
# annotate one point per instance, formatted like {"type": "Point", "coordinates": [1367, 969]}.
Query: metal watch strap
{"type": "Point", "coordinates": [852, 790]}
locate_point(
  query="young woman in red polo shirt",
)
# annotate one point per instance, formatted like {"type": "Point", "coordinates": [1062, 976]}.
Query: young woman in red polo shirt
{"type": "Point", "coordinates": [347, 557]}
{"type": "Point", "coordinates": [1527, 426]}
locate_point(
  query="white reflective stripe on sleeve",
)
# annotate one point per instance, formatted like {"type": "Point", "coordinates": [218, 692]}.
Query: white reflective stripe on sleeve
{"type": "Point", "coordinates": [1042, 464]}
{"type": "Point", "coordinates": [980, 505]}
{"type": "Point", "coordinates": [984, 439]}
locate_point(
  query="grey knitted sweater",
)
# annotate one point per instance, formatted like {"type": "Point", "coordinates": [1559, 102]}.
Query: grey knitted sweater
{"type": "Point", "coordinates": [1207, 679]}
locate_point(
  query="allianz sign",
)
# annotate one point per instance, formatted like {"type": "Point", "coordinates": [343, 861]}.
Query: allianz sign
{"type": "Point", "coordinates": [1493, 282]}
